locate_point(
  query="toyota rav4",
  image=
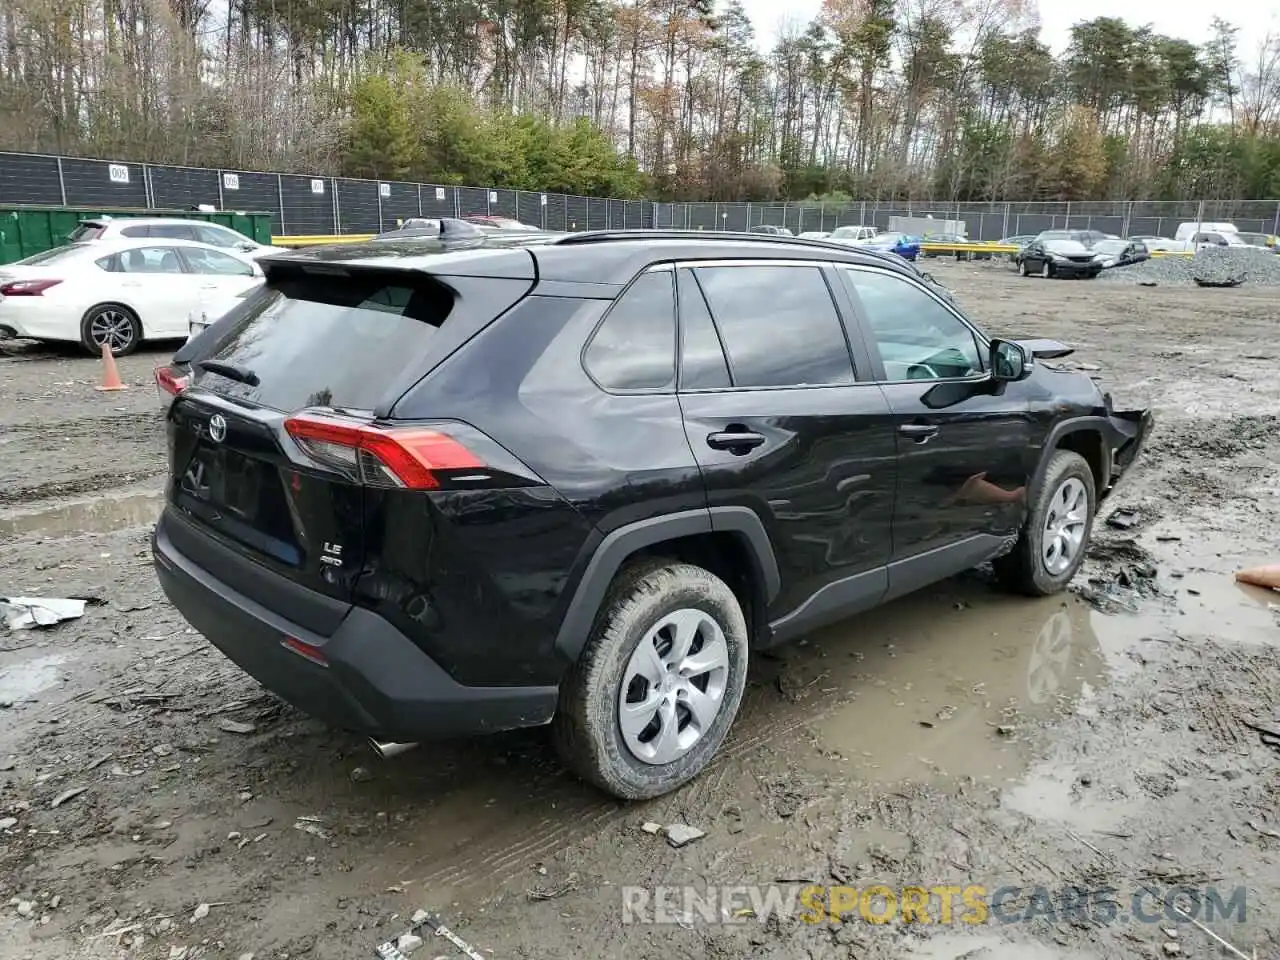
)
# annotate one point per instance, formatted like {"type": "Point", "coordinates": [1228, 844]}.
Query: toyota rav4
{"type": "Point", "coordinates": [582, 483]}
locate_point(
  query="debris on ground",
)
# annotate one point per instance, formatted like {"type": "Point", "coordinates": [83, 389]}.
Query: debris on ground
{"type": "Point", "coordinates": [569, 884]}
{"type": "Point", "coordinates": [66, 795]}
{"type": "Point", "coordinates": [650, 827]}
{"type": "Point", "coordinates": [1124, 519]}
{"type": "Point", "coordinates": [23, 613]}
{"type": "Point", "coordinates": [235, 726]}
{"type": "Point", "coordinates": [678, 834]}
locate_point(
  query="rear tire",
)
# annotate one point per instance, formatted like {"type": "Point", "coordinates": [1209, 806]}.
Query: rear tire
{"type": "Point", "coordinates": [1061, 510]}
{"type": "Point", "coordinates": [113, 324]}
{"type": "Point", "coordinates": [658, 603]}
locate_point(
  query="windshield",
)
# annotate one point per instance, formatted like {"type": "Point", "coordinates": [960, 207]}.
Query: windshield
{"type": "Point", "coordinates": [1068, 248]}
{"type": "Point", "coordinates": [320, 341]}
{"type": "Point", "coordinates": [56, 255]}
{"type": "Point", "coordinates": [1110, 246]}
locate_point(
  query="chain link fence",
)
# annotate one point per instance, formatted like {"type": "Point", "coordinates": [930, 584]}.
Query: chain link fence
{"type": "Point", "coordinates": [324, 206]}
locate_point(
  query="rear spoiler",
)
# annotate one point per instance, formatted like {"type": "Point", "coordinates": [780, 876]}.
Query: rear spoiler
{"type": "Point", "coordinates": [1046, 349]}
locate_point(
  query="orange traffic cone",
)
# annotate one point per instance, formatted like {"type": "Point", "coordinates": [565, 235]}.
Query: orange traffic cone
{"type": "Point", "coordinates": [110, 375]}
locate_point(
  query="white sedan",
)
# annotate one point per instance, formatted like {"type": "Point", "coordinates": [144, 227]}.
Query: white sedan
{"type": "Point", "coordinates": [119, 292]}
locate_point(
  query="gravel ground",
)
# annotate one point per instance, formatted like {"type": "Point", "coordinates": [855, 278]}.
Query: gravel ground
{"type": "Point", "coordinates": [1209, 267]}
{"type": "Point", "coordinates": [155, 804]}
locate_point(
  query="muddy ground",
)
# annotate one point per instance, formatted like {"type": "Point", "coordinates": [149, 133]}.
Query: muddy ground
{"type": "Point", "coordinates": [1103, 739]}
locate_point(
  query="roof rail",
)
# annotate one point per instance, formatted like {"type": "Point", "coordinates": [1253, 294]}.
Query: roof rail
{"type": "Point", "coordinates": [611, 236]}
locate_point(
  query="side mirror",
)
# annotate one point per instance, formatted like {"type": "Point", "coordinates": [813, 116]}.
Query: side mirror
{"type": "Point", "coordinates": [1009, 361]}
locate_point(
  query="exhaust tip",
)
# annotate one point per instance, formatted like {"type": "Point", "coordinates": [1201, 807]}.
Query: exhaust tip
{"type": "Point", "coordinates": [386, 749]}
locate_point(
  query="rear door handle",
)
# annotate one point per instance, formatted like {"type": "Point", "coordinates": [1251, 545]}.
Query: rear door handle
{"type": "Point", "coordinates": [734, 442]}
{"type": "Point", "coordinates": [919, 432]}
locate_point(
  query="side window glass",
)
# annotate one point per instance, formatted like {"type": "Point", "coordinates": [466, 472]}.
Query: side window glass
{"type": "Point", "coordinates": [635, 347]}
{"type": "Point", "coordinates": [142, 231]}
{"type": "Point", "coordinates": [201, 260]}
{"type": "Point", "coordinates": [918, 338]}
{"type": "Point", "coordinates": [779, 324]}
{"type": "Point", "coordinates": [150, 260]}
{"type": "Point", "coordinates": [216, 236]}
{"type": "Point", "coordinates": [702, 362]}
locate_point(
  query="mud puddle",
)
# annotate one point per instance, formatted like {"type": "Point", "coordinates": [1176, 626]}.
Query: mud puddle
{"type": "Point", "coordinates": [23, 681]}
{"type": "Point", "coordinates": [102, 514]}
{"type": "Point", "coordinates": [941, 686]}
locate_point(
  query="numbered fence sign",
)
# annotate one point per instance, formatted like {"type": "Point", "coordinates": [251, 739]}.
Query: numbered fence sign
{"type": "Point", "coordinates": [544, 199]}
{"type": "Point", "coordinates": [384, 190]}
{"type": "Point", "coordinates": [439, 193]}
{"type": "Point", "coordinates": [231, 181]}
{"type": "Point", "coordinates": [317, 186]}
{"type": "Point", "coordinates": [118, 172]}
{"type": "Point", "coordinates": [493, 196]}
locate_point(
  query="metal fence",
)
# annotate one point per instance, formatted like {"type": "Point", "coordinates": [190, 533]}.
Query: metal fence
{"type": "Point", "coordinates": [304, 205]}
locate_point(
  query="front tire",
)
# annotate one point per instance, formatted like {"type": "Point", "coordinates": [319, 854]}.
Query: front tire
{"type": "Point", "coordinates": [1022, 268]}
{"type": "Point", "coordinates": [1046, 271]}
{"type": "Point", "coordinates": [114, 325]}
{"type": "Point", "coordinates": [1056, 534]}
{"type": "Point", "coordinates": [657, 688]}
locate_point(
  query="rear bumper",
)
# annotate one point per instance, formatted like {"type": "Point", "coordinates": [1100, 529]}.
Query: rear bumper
{"type": "Point", "coordinates": [37, 318]}
{"type": "Point", "coordinates": [375, 681]}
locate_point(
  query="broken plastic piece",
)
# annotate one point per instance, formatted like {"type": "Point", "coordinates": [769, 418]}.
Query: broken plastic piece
{"type": "Point", "coordinates": [23, 613]}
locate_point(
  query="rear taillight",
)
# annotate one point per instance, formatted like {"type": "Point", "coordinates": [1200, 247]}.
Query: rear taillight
{"type": "Point", "coordinates": [26, 288]}
{"type": "Point", "coordinates": [407, 457]}
{"type": "Point", "coordinates": [170, 381]}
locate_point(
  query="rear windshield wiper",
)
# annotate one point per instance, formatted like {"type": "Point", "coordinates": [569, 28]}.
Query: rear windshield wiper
{"type": "Point", "coordinates": [232, 371]}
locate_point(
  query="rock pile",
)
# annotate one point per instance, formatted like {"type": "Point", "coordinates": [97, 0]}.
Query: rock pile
{"type": "Point", "coordinates": [1211, 267]}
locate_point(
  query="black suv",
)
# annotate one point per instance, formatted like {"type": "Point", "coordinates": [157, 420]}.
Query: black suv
{"type": "Point", "coordinates": [580, 483]}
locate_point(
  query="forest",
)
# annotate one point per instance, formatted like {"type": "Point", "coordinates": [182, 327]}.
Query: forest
{"type": "Point", "coordinates": [666, 99]}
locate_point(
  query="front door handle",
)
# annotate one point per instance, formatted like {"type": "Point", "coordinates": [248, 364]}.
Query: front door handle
{"type": "Point", "coordinates": [737, 442]}
{"type": "Point", "coordinates": [919, 432]}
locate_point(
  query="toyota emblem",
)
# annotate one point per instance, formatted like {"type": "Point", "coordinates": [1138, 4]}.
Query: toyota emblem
{"type": "Point", "coordinates": [217, 428]}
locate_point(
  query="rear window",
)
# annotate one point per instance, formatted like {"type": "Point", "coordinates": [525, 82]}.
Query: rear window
{"type": "Point", "coordinates": [56, 255]}
{"type": "Point", "coordinates": [329, 341]}
{"type": "Point", "coordinates": [86, 231]}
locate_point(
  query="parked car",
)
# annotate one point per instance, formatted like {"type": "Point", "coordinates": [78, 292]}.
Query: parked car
{"type": "Point", "coordinates": [1120, 253]}
{"type": "Point", "coordinates": [416, 498]}
{"type": "Point", "coordinates": [117, 292]}
{"type": "Point", "coordinates": [852, 234]}
{"type": "Point", "coordinates": [1057, 257]}
{"type": "Point", "coordinates": [1086, 237]}
{"type": "Point", "coordinates": [770, 230]}
{"type": "Point", "coordinates": [1263, 241]}
{"type": "Point", "coordinates": [169, 228]}
{"type": "Point", "coordinates": [1018, 240]}
{"type": "Point", "coordinates": [903, 244]}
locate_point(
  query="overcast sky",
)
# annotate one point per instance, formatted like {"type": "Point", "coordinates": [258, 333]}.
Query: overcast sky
{"type": "Point", "coordinates": [1176, 18]}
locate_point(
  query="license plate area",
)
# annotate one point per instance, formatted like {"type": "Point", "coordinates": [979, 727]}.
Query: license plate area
{"type": "Point", "coordinates": [226, 479]}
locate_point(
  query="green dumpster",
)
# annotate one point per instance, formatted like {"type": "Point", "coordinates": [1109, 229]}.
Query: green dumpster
{"type": "Point", "coordinates": [28, 230]}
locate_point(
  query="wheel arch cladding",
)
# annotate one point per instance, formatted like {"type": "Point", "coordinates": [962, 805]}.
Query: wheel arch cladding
{"type": "Point", "coordinates": [1085, 436]}
{"type": "Point", "coordinates": [681, 535]}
